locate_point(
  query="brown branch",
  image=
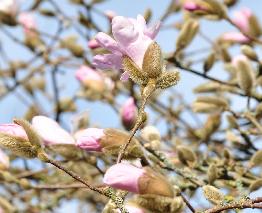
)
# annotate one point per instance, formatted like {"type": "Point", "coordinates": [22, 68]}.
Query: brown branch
{"type": "Point", "coordinates": [187, 203]}
{"type": "Point", "coordinates": [242, 204]}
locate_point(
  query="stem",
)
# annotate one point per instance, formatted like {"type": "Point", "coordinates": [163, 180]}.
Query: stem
{"type": "Point", "coordinates": [147, 92]}
{"type": "Point", "coordinates": [254, 203]}
{"type": "Point", "coordinates": [187, 203]}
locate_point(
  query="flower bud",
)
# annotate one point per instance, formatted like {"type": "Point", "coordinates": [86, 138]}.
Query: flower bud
{"type": "Point", "coordinates": [212, 194]}
{"type": "Point", "coordinates": [137, 180]}
{"type": "Point", "coordinates": [50, 131]}
{"type": "Point", "coordinates": [249, 52]}
{"type": "Point", "coordinates": [13, 130]}
{"type": "Point", "coordinates": [168, 79]}
{"type": "Point", "coordinates": [129, 113]}
{"type": "Point", "coordinates": [93, 44]}
{"type": "Point", "coordinates": [89, 139]}
{"type": "Point", "coordinates": [256, 159]}
{"type": "Point", "coordinates": [150, 133]}
{"type": "Point", "coordinates": [245, 73]}
{"type": "Point", "coordinates": [209, 62]}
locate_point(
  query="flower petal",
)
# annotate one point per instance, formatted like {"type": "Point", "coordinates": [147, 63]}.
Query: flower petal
{"type": "Point", "coordinates": [107, 42]}
{"type": "Point", "coordinates": [108, 61]}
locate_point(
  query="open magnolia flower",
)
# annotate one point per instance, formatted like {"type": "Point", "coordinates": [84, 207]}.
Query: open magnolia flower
{"type": "Point", "coordinates": [132, 39]}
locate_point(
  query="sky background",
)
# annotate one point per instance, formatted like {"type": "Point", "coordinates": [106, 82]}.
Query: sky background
{"type": "Point", "coordinates": [10, 107]}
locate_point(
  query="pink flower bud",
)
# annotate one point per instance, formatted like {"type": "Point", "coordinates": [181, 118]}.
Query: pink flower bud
{"type": "Point", "coordinates": [129, 113]}
{"type": "Point", "coordinates": [4, 160]}
{"type": "Point", "coordinates": [124, 176]}
{"type": "Point", "coordinates": [50, 131]}
{"type": "Point", "coordinates": [13, 130]}
{"type": "Point", "coordinates": [127, 177]}
{"type": "Point", "coordinates": [241, 19]}
{"type": "Point", "coordinates": [238, 58]}
{"type": "Point", "coordinates": [89, 139]}
{"type": "Point", "coordinates": [235, 37]}
{"type": "Point", "coordinates": [133, 209]}
{"type": "Point", "coordinates": [85, 73]}
{"type": "Point", "coordinates": [93, 44]}
{"type": "Point", "coordinates": [193, 6]}
{"type": "Point", "coordinates": [28, 22]}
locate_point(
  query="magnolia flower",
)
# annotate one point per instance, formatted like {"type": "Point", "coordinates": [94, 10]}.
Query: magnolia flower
{"type": "Point", "coordinates": [93, 79]}
{"type": "Point", "coordinates": [129, 113]}
{"type": "Point", "coordinates": [4, 160]}
{"type": "Point", "coordinates": [235, 37]}
{"type": "Point", "coordinates": [241, 19]}
{"type": "Point", "coordinates": [13, 130]}
{"type": "Point", "coordinates": [138, 180]}
{"type": "Point", "coordinates": [131, 38]}
{"type": "Point", "coordinates": [89, 139]}
{"type": "Point", "coordinates": [50, 131]}
{"type": "Point", "coordinates": [9, 6]}
{"type": "Point", "coordinates": [93, 44]}
{"type": "Point", "coordinates": [28, 22]}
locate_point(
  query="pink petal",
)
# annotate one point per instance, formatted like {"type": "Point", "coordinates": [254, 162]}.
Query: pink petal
{"type": "Point", "coordinates": [129, 111]}
{"type": "Point", "coordinates": [93, 44]}
{"type": "Point", "coordinates": [152, 31]}
{"type": "Point", "coordinates": [89, 139]}
{"type": "Point", "coordinates": [50, 131]}
{"type": "Point", "coordinates": [13, 130]}
{"type": "Point", "coordinates": [124, 76]}
{"type": "Point", "coordinates": [235, 37]}
{"type": "Point", "coordinates": [123, 176]}
{"type": "Point", "coordinates": [107, 42]}
{"type": "Point", "coordinates": [108, 61]}
{"type": "Point", "coordinates": [241, 19]}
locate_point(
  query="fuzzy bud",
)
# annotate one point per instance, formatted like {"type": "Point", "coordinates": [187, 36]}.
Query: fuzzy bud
{"type": "Point", "coordinates": [186, 155]}
{"type": "Point", "coordinates": [168, 79]}
{"type": "Point", "coordinates": [249, 52]}
{"type": "Point", "coordinates": [129, 113]}
{"type": "Point", "coordinates": [256, 159]}
{"type": "Point", "coordinates": [212, 194]}
{"type": "Point", "coordinates": [209, 62]}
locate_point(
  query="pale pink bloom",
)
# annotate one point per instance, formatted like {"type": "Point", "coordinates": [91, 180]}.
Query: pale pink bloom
{"type": "Point", "coordinates": [241, 19]}
{"type": "Point", "coordinates": [13, 130]}
{"type": "Point", "coordinates": [235, 37]}
{"type": "Point", "coordinates": [192, 6]}
{"type": "Point", "coordinates": [28, 22]}
{"type": "Point", "coordinates": [4, 159]}
{"type": "Point", "coordinates": [51, 132]}
{"type": "Point", "coordinates": [110, 14]}
{"type": "Point", "coordinates": [131, 37]}
{"type": "Point", "coordinates": [129, 112]}
{"type": "Point", "coordinates": [124, 176]}
{"type": "Point", "coordinates": [93, 44]}
{"type": "Point", "coordinates": [9, 6]}
{"type": "Point", "coordinates": [89, 139]}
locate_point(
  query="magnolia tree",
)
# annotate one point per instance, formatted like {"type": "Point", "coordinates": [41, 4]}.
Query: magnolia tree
{"type": "Point", "coordinates": [169, 155]}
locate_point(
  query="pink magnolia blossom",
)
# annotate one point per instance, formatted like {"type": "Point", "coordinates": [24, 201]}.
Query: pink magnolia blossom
{"type": "Point", "coordinates": [13, 130]}
{"type": "Point", "coordinates": [28, 22]}
{"type": "Point", "coordinates": [9, 6]}
{"type": "Point", "coordinates": [86, 74]}
{"type": "Point", "coordinates": [4, 159]}
{"type": "Point", "coordinates": [235, 37]}
{"type": "Point", "coordinates": [89, 139]}
{"type": "Point", "coordinates": [129, 112]}
{"type": "Point", "coordinates": [124, 176]}
{"type": "Point", "coordinates": [93, 44]}
{"type": "Point", "coordinates": [51, 132]}
{"type": "Point", "coordinates": [131, 37]}
{"type": "Point", "coordinates": [241, 19]}
{"type": "Point", "coordinates": [192, 6]}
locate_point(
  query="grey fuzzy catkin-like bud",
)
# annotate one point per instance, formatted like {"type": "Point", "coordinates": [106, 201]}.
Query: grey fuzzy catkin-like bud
{"type": "Point", "coordinates": [212, 194]}
{"type": "Point", "coordinates": [245, 76]}
{"type": "Point", "coordinates": [168, 79]}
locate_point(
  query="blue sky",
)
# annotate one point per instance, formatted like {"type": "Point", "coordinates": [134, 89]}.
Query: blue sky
{"type": "Point", "coordinates": [10, 108]}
